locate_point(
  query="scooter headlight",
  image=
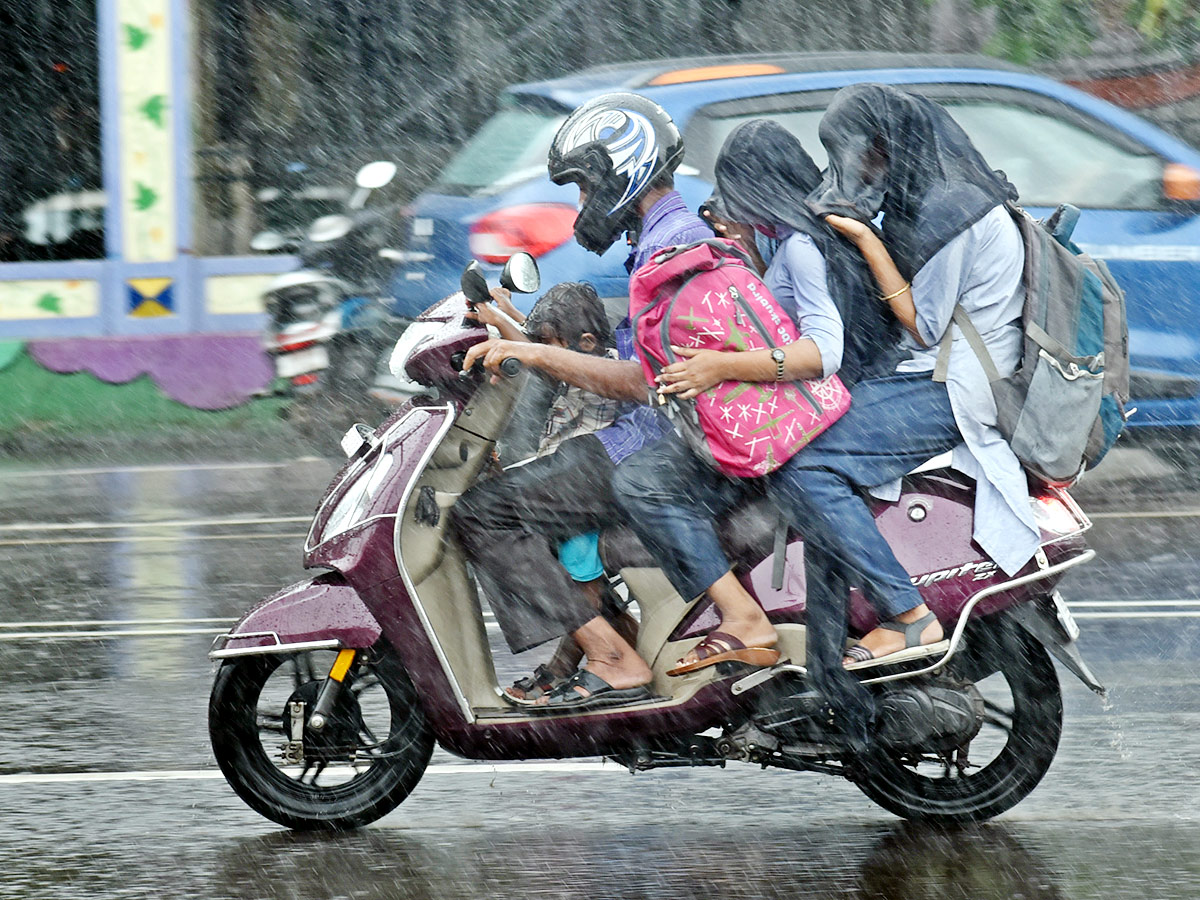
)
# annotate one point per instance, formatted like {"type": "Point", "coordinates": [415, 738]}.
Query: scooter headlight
{"type": "Point", "coordinates": [414, 334]}
{"type": "Point", "coordinates": [354, 503]}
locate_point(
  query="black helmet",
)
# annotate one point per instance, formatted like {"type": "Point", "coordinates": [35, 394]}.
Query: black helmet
{"type": "Point", "coordinates": [615, 147]}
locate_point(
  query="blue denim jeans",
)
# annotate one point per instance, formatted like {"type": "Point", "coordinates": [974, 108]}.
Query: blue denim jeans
{"type": "Point", "coordinates": [670, 499]}
{"type": "Point", "coordinates": [894, 424]}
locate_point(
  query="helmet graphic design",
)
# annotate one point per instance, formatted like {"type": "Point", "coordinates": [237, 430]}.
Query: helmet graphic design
{"type": "Point", "coordinates": [615, 147]}
{"type": "Point", "coordinates": [629, 139]}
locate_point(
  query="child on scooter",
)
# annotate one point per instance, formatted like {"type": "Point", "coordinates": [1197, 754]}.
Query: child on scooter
{"type": "Point", "coordinates": [569, 315]}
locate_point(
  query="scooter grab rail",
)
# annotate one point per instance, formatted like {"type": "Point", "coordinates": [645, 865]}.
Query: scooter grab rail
{"type": "Point", "coordinates": [960, 626]}
{"type": "Point", "coordinates": [764, 675]}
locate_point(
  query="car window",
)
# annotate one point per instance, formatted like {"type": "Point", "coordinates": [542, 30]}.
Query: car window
{"type": "Point", "coordinates": [511, 147]}
{"type": "Point", "coordinates": [1053, 161]}
{"type": "Point", "coordinates": [1052, 155]}
{"type": "Point", "coordinates": [704, 136]}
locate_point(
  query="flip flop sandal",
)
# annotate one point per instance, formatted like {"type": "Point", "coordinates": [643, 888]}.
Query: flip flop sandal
{"type": "Point", "coordinates": [542, 681]}
{"type": "Point", "coordinates": [913, 648]}
{"type": "Point", "coordinates": [601, 694]}
{"type": "Point", "coordinates": [720, 647]}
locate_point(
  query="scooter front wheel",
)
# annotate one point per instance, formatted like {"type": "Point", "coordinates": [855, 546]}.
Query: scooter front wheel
{"type": "Point", "coordinates": [366, 760]}
{"type": "Point", "coordinates": [1005, 761]}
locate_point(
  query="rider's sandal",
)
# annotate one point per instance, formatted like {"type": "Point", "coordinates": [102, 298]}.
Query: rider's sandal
{"type": "Point", "coordinates": [720, 647]}
{"type": "Point", "coordinates": [600, 694]}
{"type": "Point", "coordinates": [913, 648]}
{"type": "Point", "coordinates": [534, 686]}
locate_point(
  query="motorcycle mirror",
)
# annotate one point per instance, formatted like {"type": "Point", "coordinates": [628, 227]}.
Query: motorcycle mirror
{"type": "Point", "coordinates": [474, 284]}
{"type": "Point", "coordinates": [521, 274]}
{"type": "Point", "coordinates": [375, 175]}
{"type": "Point", "coordinates": [267, 241]}
{"type": "Point", "coordinates": [329, 228]}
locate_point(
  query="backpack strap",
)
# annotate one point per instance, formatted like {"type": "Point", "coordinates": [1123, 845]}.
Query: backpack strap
{"type": "Point", "coordinates": [780, 550]}
{"type": "Point", "coordinates": [971, 333]}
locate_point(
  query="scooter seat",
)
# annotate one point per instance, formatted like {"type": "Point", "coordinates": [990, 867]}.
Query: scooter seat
{"type": "Point", "coordinates": [746, 533]}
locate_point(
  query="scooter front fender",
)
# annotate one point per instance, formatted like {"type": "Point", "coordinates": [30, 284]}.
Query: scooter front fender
{"type": "Point", "coordinates": [320, 613]}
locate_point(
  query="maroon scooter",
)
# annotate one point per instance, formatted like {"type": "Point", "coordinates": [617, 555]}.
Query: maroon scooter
{"type": "Point", "coordinates": [331, 693]}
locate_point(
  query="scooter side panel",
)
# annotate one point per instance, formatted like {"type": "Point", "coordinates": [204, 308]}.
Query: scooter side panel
{"type": "Point", "coordinates": [320, 608]}
{"type": "Point", "coordinates": [929, 529]}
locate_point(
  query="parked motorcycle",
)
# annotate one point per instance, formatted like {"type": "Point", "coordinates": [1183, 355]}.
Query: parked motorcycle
{"type": "Point", "coordinates": [330, 694]}
{"type": "Point", "coordinates": [330, 323]}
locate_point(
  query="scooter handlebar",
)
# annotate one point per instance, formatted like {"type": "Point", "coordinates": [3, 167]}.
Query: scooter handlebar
{"type": "Point", "coordinates": [510, 367]}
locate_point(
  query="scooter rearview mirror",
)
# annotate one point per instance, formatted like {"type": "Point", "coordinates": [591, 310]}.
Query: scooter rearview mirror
{"type": "Point", "coordinates": [474, 284]}
{"type": "Point", "coordinates": [375, 174]}
{"type": "Point", "coordinates": [267, 241]}
{"type": "Point", "coordinates": [521, 274]}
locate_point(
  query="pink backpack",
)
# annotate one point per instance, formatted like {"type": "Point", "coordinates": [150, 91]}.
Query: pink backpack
{"type": "Point", "coordinates": [707, 295]}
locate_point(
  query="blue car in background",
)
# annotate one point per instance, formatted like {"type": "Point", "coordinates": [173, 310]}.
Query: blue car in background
{"type": "Point", "coordinates": [1139, 187]}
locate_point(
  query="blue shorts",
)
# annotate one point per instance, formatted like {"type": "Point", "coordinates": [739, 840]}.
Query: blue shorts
{"type": "Point", "coordinates": [580, 556]}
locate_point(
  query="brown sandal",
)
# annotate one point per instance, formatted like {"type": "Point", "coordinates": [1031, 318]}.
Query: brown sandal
{"type": "Point", "coordinates": [720, 647]}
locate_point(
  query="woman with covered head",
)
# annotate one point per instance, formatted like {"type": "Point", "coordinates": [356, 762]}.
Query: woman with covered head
{"type": "Point", "coordinates": [763, 176]}
{"type": "Point", "coordinates": [948, 242]}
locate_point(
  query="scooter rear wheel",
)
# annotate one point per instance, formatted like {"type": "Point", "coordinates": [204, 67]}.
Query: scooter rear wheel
{"type": "Point", "coordinates": [1015, 746]}
{"type": "Point", "coordinates": [361, 766]}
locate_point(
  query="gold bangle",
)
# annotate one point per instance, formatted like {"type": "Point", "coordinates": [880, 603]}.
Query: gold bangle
{"type": "Point", "coordinates": [894, 294]}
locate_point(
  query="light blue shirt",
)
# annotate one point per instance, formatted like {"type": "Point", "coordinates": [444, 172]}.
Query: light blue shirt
{"type": "Point", "coordinates": [981, 270]}
{"type": "Point", "coordinates": [797, 279]}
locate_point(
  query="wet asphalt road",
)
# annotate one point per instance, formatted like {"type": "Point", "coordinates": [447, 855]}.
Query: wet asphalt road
{"type": "Point", "coordinates": [108, 788]}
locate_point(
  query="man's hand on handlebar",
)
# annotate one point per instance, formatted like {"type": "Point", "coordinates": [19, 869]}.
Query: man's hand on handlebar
{"type": "Point", "coordinates": [502, 316]}
{"type": "Point", "coordinates": [492, 353]}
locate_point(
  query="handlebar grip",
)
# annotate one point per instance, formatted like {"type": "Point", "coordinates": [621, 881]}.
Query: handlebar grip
{"type": "Point", "coordinates": [511, 367]}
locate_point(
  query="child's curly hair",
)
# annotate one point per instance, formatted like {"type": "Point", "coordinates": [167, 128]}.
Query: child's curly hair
{"type": "Point", "coordinates": [570, 310]}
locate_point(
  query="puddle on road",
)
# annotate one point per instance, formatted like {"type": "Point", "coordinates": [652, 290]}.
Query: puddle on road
{"type": "Point", "coordinates": [899, 861]}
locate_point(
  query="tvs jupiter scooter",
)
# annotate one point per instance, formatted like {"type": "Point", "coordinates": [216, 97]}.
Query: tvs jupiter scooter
{"type": "Point", "coordinates": [331, 693]}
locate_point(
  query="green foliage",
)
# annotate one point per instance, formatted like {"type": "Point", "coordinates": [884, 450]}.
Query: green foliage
{"type": "Point", "coordinates": [1166, 23]}
{"type": "Point", "coordinates": [1031, 30]}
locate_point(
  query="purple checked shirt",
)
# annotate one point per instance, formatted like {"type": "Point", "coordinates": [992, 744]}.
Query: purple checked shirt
{"type": "Point", "coordinates": [668, 223]}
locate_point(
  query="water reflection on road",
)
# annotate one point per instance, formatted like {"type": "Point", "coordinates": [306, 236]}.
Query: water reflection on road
{"type": "Point", "coordinates": [1118, 816]}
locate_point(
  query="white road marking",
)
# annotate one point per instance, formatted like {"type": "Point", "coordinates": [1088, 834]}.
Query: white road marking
{"type": "Point", "coordinates": [519, 768]}
{"type": "Point", "coordinates": [165, 467]}
{"type": "Point", "coordinates": [104, 635]}
{"type": "Point", "coordinates": [96, 623]}
{"type": "Point", "coordinates": [1147, 514]}
{"type": "Point", "coordinates": [150, 539]}
{"type": "Point", "coordinates": [167, 523]}
{"type": "Point", "coordinates": [1130, 603]}
{"type": "Point", "coordinates": [1136, 614]}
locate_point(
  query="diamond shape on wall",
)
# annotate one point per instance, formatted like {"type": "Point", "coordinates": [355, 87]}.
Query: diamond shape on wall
{"type": "Point", "coordinates": [150, 297]}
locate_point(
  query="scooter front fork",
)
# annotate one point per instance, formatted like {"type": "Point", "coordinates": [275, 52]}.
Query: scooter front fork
{"type": "Point", "coordinates": [292, 751]}
{"type": "Point", "coordinates": [331, 690]}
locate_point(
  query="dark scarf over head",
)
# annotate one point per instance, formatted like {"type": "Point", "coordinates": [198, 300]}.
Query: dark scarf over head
{"type": "Point", "coordinates": [763, 178]}
{"type": "Point", "coordinates": [902, 154]}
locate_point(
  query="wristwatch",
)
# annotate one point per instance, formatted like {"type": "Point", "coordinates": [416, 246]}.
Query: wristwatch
{"type": "Point", "coordinates": [779, 356]}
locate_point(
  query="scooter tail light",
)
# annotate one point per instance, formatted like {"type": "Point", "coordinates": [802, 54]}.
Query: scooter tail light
{"type": "Point", "coordinates": [1053, 514]}
{"type": "Point", "coordinates": [298, 345]}
{"type": "Point", "coordinates": [534, 228]}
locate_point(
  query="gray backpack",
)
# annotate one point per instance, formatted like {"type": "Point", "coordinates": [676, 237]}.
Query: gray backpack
{"type": "Point", "coordinates": [1064, 406]}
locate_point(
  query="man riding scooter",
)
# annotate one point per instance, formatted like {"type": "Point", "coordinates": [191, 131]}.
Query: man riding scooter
{"type": "Point", "coordinates": [621, 150]}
